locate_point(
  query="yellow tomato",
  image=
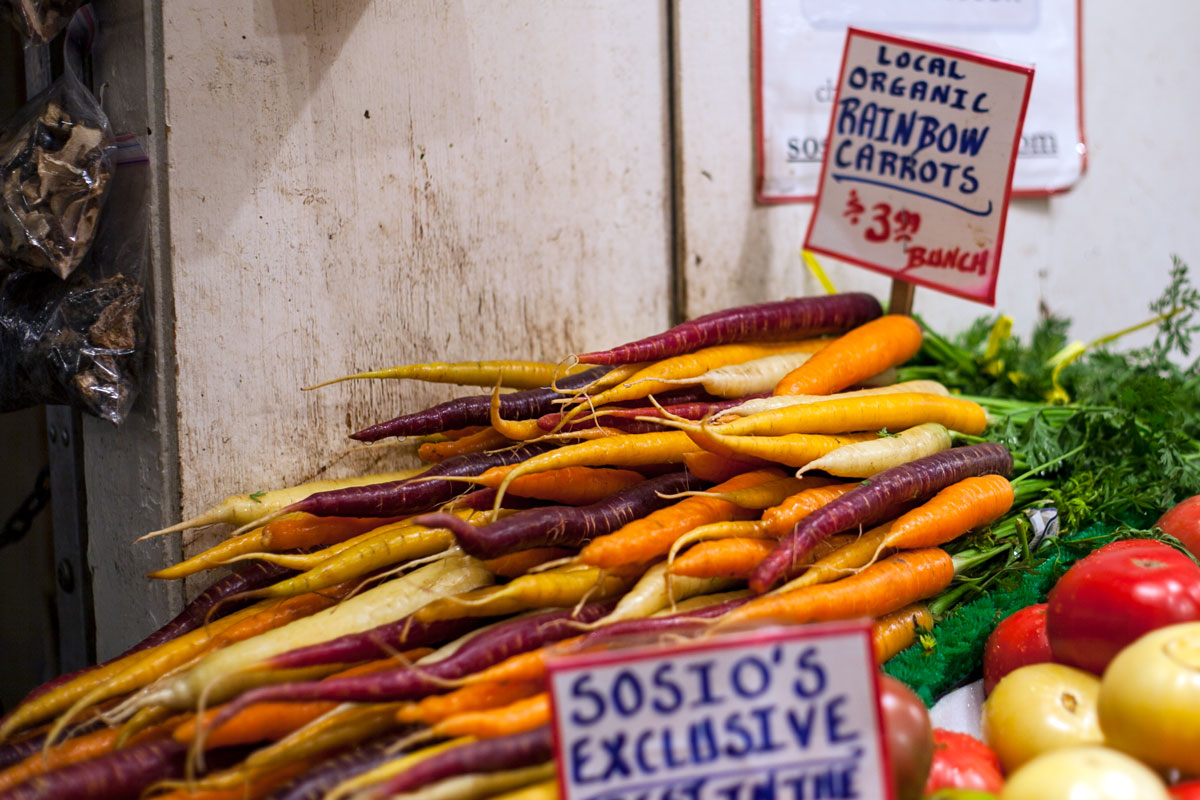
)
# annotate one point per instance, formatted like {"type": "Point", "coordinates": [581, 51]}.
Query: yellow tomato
{"type": "Point", "coordinates": [1038, 708]}
{"type": "Point", "coordinates": [1150, 698]}
{"type": "Point", "coordinates": [1084, 773]}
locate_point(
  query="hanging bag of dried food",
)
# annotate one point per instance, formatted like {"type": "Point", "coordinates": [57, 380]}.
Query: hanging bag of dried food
{"type": "Point", "coordinates": [38, 21]}
{"type": "Point", "coordinates": [54, 170]}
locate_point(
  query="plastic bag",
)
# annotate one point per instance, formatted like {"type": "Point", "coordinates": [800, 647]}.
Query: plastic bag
{"type": "Point", "coordinates": [54, 174]}
{"type": "Point", "coordinates": [75, 342]}
{"type": "Point", "coordinates": [39, 21]}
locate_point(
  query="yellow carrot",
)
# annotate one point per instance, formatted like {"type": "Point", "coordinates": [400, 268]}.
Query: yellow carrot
{"type": "Point", "coordinates": [511, 374]}
{"type": "Point", "coordinates": [557, 588]}
{"type": "Point", "coordinates": [876, 412]}
{"type": "Point", "coordinates": [864, 459]}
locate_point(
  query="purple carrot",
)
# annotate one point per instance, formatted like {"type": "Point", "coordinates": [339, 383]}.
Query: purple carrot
{"type": "Point", "coordinates": [524, 749]}
{"type": "Point", "coordinates": [799, 317]}
{"type": "Point", "coordinates": [378, 642]}
{"type": "Point", "coordinates": [878, 499]}
{"type": "Point", "coordinates": [315, 783]}
{"type": "Point", "coordinates": [16, 752]}
{"type": "Point", "coordinates": [683, 622]}
{"type": "Point", "coordinates": [617, 417]}
{"type": "Point", "coordinates": [562, 526]}
{"type": "Point", "coordinates": [507, 639]}
{"type": "Point", "coordinates": [485, 500]}
{"type": "Point", "coordinates": [116, 775]}
{"type": "Point", "coordinates": [475, 409]}
{"type": "Point", "coordinates": [412, 495]}
{"type": "Point", "coordinates": [253, 576]}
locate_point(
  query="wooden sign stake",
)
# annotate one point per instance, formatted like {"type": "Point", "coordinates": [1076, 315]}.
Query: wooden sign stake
{"type": "Point", "coordinates": [902, 297]}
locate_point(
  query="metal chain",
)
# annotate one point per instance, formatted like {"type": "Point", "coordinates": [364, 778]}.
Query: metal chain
{"type": "Point", "coordinates": [20, 522]}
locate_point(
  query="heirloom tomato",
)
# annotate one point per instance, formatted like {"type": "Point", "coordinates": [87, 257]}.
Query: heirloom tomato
{"type": "Point", "coordinates": [909, 736]}
{"type": "Point", "coordinates": [1183, 522]}
{"type": "Point", "coordinates": [1038, 708]}
{"type": "Point", "coordinates": [1116, 594]}
{"type": "Point", "coordinates": [1149, 700]}
{"type": "Point", "coordinates": [960, 761]}
{"type": "Point", "coordinates": [1084, 773]}
{"type": "Point", "coordinates": [1019, 639]}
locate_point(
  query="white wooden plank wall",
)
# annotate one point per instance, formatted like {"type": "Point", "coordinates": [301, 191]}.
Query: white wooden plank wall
{"type": "Point", "coordinates": [357, 184]}
{"type": "Point", "coordinates": [1097, 254]}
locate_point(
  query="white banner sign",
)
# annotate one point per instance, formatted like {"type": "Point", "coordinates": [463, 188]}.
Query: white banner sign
{"type": "Point", "coordinates": [799, 45]}
{"type": "Point", "coordinates": [776, 713]}
{"type": "Point", "coordinates": [917, 176]}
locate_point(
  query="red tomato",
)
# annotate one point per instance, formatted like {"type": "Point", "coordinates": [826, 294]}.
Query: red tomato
{"type": "Point", "coordinates": [960, 761]}
{"type": "Point", "coordinates": [1184, 791]}
{"type": "Point", "coordinates": [1183, 522]}
{"type": "Point", "coordinates": [1019, 639]}
{"type": "Point", "coordinates": [1116, 594]}
{"type": "Point", "coordinates": [909, 736]}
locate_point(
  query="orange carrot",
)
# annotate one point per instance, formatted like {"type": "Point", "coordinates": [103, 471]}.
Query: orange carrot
{"type": "Point", "coordinates": [624, 450]}
{"type": "Point", "coordinates": [896, 631]}
{"type": "Point", "coordinates": [528, 666]}
{"type": "Point", "coordinates": [486, 439]}
{"type": "Point", "coordinates": [952, 512]}
{"type": "Point", "coordinates": [879, 589]}
{"type": "Point", "coordinates": [573, 486]}
{"type": "Point", "coordinates": [516, 564]}
{"type": "Point", "coordinates": [857, 355]}
{"type": "Point", "coordinates": [781, 519]}
{"type": "Point", "coordinates": [522, 715]}
{"type": "Point", "coordinates": [718, 469]}
{"type": "Point", "coordinates": [651, 536]}
{"type": "Point", "coordinates": [735, 557]}
{"type": "Point", "coordinates": [286, 533]}
{"type": "Point", "coordinates": [474, 697]}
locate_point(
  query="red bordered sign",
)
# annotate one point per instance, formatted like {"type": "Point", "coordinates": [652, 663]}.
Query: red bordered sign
{"type": "Point", "coordinates": [796, 47]}
{"type": "Point", "coordinates": [776, 712]}
{"type": "Point", "coordinates": [917, 176]}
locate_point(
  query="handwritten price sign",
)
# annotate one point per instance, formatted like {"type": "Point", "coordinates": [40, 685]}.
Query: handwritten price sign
{"type": "Point", "coordinates": [778, 714]}
{"type": "Point", "coordinates": [916, 180]}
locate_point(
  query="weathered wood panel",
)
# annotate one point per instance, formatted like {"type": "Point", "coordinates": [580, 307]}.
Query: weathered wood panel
{"type": "Point", "coordinates": [357, 183]}
{"type": "Point", "coordinates": [1097, 254]}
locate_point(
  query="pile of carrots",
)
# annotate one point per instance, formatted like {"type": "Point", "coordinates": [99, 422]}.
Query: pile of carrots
{"type": "Point", "coordinates": [388, 635]}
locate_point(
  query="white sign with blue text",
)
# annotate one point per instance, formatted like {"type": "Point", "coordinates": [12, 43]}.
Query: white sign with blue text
{"type": "Point", "coordinates": [773, 714]}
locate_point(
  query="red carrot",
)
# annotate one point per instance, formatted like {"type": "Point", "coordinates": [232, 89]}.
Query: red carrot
{"type": "Point", "coordinates": [475, 410]}
{"type": "Point", "coordinates": [877, 499]}
{"type": "Point", "coordinates": [797, 318]}
{"type": "Point", "coordinates": [562, 526]}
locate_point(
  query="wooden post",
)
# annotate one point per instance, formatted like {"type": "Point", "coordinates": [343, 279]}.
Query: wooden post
{"type": "Point", "coordinates": [902, 297]}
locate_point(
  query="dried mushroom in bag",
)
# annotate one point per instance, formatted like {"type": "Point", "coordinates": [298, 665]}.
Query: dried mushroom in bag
{"type": "Point", "coordinates": [54, 174]}
{"type": "Point", "coordinates": [76, 342]}
{"type": "Point", "coordinates": [39, 21]}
